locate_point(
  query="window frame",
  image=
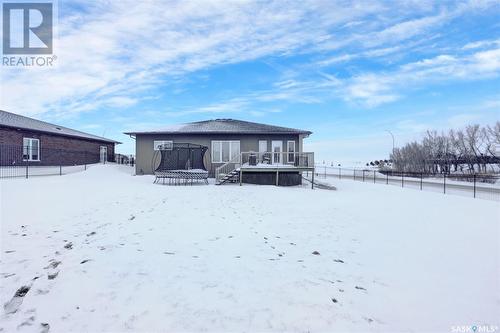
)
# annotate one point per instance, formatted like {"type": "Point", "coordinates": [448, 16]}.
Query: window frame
{"type": "Point", "coordinates": [265, 150]}
{"type": "Point", "coordinates": [221, 153]}
{"type": "Point", "coordinates": [163, 142]}
{"type": "Point", "coordinates": [29, 148]}
{"type": "Point", "coordinates": [289, 153]}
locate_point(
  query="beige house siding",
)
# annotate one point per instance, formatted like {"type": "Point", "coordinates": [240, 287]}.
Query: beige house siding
{"type": "Point", "coordinates": [145, 152]}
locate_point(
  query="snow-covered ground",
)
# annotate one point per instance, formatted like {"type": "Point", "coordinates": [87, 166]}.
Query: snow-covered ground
{"type": "Point", "coordinates": [102, 250]}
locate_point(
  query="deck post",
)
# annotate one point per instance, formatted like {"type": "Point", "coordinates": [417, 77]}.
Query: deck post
{"type": "Point", "coordinates": [277, 177]}
{"type": "Point", "coordinates": [241, 176]}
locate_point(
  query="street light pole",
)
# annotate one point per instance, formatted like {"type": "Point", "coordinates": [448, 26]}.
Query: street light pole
{"type": "Point", "coordinates": [392, 135]}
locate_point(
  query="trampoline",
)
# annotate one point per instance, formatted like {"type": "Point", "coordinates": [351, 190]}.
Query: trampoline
{"type": "Point", "coordinates": [180, 164]}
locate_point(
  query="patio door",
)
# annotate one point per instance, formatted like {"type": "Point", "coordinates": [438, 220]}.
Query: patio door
{"type": "Point", "coordinates": [277, 148]}
{"type": "Point", "coordinates": [103, 154]}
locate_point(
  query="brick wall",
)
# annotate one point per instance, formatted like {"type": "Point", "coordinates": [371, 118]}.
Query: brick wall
{"type": "Point", "coordinates": [54, 149]}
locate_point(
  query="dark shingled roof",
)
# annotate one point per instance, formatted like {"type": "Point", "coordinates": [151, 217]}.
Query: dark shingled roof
{"type": "Point", "coordinates": [224, 126]}
{"type": "Point", "coordinates": [13, 120]}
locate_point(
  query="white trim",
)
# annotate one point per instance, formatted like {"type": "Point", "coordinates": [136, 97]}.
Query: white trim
{"type": "Point", "coordinates": [289, 152]}
{"type": "Point", "coordinates": [219, 159]}
{"type": "Point", "coordinates": [168, 143]}
{"type": "Point", "coordinates": [30, 151]}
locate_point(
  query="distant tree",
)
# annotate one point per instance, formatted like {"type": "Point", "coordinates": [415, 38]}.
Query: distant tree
{"type": "Point", "coordinates": [473, 147]}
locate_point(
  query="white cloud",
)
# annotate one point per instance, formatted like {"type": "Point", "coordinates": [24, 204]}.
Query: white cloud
{"type": "Point", "coordinates": [374, 89]}
{"type": "Point", "coordinates": [480, 44]}
{"type": "Point", "coordinates": [113, 54]}
{"type": "Point", "coordinates": [115, 48]}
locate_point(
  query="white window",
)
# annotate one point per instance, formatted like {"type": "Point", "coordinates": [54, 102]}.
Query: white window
{"type": "Point", "coordinates": [31, 149]}
{"type": "Point", "coordinates": [163, 144]}
{"type": "Point", "coordinates": [262, 146]}
{"type": "Point", "coordinates": [225, 151]}
{"type": "Point", "coordinates": [291, 151]}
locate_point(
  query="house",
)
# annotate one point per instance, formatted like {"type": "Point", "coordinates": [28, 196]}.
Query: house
{"type": "Point", "coordinates": [237, 150]}
{"type": "Point", "coordinates": [25, 140]}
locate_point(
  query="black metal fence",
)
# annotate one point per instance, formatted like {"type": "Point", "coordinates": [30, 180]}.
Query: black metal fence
{"type": "Point", "coordinates": [19, 161]}
{"type": "Point", "coordinates": [124, 159]}
{"type": "Point", "coordinates": [484, 186]}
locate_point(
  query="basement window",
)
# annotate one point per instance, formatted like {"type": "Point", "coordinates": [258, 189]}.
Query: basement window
{"type": "Point", "coordinates": [31, 149]}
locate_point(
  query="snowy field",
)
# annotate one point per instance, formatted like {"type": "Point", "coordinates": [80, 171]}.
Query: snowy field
{"type": "Point", "coordinates": [102, 250]}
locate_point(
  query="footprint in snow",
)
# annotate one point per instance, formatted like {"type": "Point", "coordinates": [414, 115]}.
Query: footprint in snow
{"type": "Point", "coordinates": [27, 322]}
{"type": "Point", "coordinates": [338, 260]}
{"type": "Point", "coordinates": [316, 253]}
{"type": "Point", "coordinates": [68, 246]}
{"type": "Point", "coordinates": [360, 288]}
{"type": "Point", "coordinates": [84, 261]}
{"type": "Point", "coordinates": [91, 234]}
{"type": "Point", "coordinates": [53, 275]}
{"type": "Point", "coordinates": [53, 264]}
{"type": "Point", "coordinates": [13, 305]}
{"type": "Point", "coordinates": [45, 328]}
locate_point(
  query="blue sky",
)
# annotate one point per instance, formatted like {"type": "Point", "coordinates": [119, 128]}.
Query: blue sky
{"type": "Point", "coordinates": [346, 71]}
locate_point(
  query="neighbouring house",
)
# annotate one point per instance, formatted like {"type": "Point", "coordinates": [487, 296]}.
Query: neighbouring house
{"type": "Point", "coordinates": [237, 150]}
{"type": "Point", "coordinates": [25, 140]}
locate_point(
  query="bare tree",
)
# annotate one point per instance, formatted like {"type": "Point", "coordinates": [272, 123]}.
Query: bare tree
{"type": "Point", "coordinates": [474, 148]}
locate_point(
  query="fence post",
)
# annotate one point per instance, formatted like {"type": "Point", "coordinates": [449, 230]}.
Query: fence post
{"type": "Point", "coordinates": [444, 183]}
{"type": "Point", "coordinates": [387, 178]}
{"type": "Point", "coordinates": [363, 175]}
{"type": "Point", "coordinates": [354, 174]}
{"type": "Point", "coordinates": [402, 180]}
{"type": "Point", "coordinates": [60, 163]}
{"type": "Point", "coordinates": [85, 159]}
{"type": "Point", "coordinates": [325, 171]}
{"type": "Point", "coordinates": [474, 185]}
{"type": "Point", "coordinates": [27, 169]}
{"type": "Point", "coordinates": [340, 173]}
{"type": "Point", "coordinates": [374, 176]}
{"type": "Point", "coordinates": [421, 178]}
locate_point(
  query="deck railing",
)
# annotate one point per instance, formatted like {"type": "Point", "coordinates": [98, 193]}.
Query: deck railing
{"type": "Point", "coordinates": [285, 159]}
{"type": "Point", "coordinates": [266, 159]}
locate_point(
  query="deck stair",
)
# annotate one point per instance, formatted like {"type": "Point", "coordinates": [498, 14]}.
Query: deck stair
{"type": "Point", "coordinates": [231, 177]}
{"type": "Point", "coordinates": [229, 172]}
